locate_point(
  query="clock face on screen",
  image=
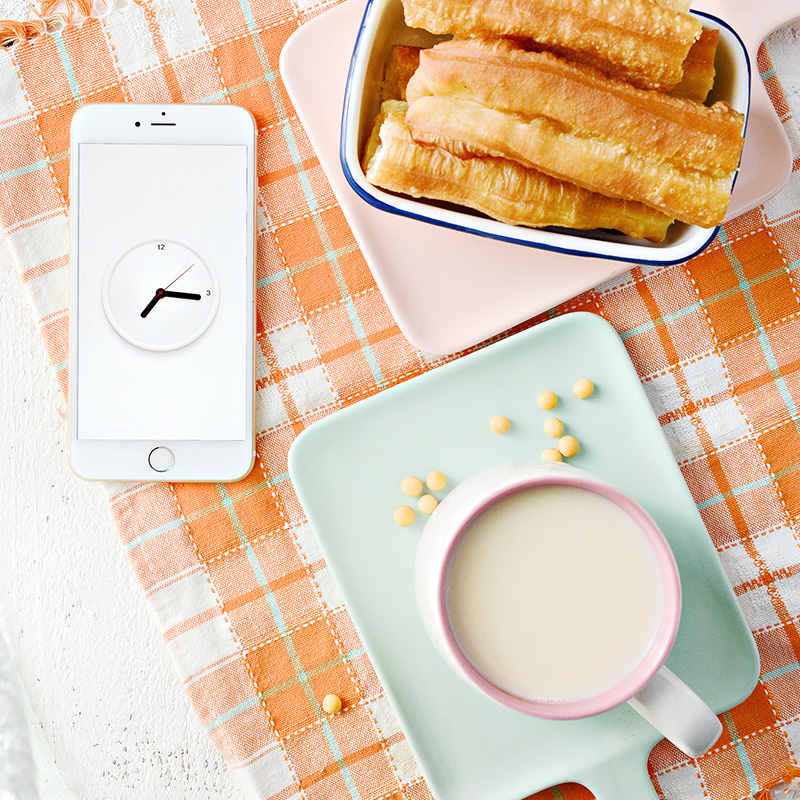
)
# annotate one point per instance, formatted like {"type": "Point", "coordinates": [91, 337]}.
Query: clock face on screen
{"type": "Point", "coordinates": [160, 295]}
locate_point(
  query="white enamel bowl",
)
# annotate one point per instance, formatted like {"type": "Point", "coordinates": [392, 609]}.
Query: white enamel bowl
{"type": "Point", "coordinates": [383, 26]}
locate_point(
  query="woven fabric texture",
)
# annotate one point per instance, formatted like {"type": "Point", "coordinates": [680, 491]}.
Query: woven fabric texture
{"type": "Point", "coordinates": [247, 606]}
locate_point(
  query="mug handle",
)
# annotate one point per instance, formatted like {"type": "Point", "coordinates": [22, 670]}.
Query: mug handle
{"type": "Point", "coordinates": [674, 710]}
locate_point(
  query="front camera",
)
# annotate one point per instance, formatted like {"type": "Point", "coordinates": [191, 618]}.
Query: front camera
{"type": "Point", "coordinates": [137, 124]}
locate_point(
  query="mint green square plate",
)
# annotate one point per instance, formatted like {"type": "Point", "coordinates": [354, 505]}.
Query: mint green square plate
{"type": "Point", "coordinates": [346, 470]}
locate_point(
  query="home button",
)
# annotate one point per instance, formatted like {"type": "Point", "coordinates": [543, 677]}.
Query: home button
{"type": "Point", "coordinates": [161, 459]}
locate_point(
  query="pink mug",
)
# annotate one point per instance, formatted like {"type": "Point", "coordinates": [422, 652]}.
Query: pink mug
{"type": "Point", "coordinates": [555, 594]}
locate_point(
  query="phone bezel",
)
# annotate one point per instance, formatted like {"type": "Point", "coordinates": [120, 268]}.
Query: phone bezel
{"type": "Point", "coordinates": [159, 123]}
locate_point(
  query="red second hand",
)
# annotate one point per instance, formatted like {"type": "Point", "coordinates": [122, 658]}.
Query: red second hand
{"type": "Point", "coordinates": [179, 276]}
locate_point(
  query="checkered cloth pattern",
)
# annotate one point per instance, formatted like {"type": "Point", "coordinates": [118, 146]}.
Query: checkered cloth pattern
{"type": "Point", "coordinates": [246, 603]}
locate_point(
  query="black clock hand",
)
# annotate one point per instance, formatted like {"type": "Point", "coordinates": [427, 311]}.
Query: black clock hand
{"type": "Point", "coordinates": [152, 304]}
{"type": "Point", "coordinates": [164, 293]}
{"type": "Point", "coordinates": [181, 295]}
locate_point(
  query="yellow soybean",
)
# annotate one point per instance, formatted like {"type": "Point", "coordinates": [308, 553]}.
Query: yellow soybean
{"type": "Point", "coordinates": [568, 446]}
{"type": "Point", "coordinates": [554, 427]}
{"type": "Point", "coordinates": [404, 516]}
{"type": "Point", "coordinates": [499, 424]}
{"type": "Point", "coordinates": [427, 503]}
{"type": "Point", "coordinates": [331, 703]}
{"type": "Point", "coordinates": [547, 400]}
{"type": "Point", "coordinates": [583, 388]}
{"type": "Point", "coordinates": [551, 454]}
{"type": "Point", "coordinates": [411, 486]}
{"type": "Point", "coordinates": [435, 481]}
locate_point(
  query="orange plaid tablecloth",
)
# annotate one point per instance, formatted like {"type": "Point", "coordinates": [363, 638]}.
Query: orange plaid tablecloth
{"type": "Point", "coordinates": [233, 573]}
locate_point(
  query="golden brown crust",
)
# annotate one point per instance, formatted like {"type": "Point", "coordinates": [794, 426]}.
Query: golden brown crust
{"type": "Point", "coordinates": [497, 187]}
{"type": "Point", "coordinates": [642, 41]}
{"type": "Point", "coordinates": [576, 124]}
{"type": "Point", "coordinates": [402, 64]}
{"type": "Point", "coordinates": [504, 76]}
{"type": "Point", "coordinates": [468, 128]}
{"type": "Point", "coordinates": [698, 69]}
{"type": "Point", "coordinates": [677, 5]}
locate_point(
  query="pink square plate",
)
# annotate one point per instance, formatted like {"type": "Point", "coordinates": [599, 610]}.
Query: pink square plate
{"type": "Point", "coordinates": [448, 290]}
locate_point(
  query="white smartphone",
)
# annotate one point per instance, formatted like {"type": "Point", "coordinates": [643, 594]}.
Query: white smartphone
{"type": "Point", "coordinates": [162, 320]}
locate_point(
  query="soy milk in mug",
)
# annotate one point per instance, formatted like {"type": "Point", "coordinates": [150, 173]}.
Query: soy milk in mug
{"type": "Point", "coordinates": [553, 593]}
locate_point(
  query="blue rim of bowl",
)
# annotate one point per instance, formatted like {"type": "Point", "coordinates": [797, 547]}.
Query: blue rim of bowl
{"type": "Point", "coordinates": [347, 110]}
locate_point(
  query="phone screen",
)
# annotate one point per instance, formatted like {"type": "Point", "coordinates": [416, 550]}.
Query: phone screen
{"type": "Point", "coordinates": [162, 287]}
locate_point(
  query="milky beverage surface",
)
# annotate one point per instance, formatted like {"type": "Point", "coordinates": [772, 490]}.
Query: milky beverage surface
{"type": "Point", "coordinates": [553, 593]}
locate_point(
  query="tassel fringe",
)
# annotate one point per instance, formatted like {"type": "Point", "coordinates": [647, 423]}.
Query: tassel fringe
{"type": "Point", "coordinates": [791, 775]}
{"type": "Point", "coordinates": [51, 16]}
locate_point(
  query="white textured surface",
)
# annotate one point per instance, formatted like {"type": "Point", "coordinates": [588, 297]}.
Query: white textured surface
{"type": "Point", "coordinates": [17, 769]}
{"type": "Point", "coordinates": [108, 701]}
{"type": "Point", "coordinates": [117, 719]}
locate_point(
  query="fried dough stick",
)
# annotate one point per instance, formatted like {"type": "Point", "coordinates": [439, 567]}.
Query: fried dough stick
{"type": "Point", "coordinates": [498, 188]}
{"type": "Point", "coordinates": [576, 124]}
{"type": "Point", "coordinates": [677, 5]}
{"type": "Point", "coordinates": [401, 65]}
{"type": "Point", "coordinates": [698, 69]}
{"type": "Point", "coordinates": [641, 41]}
